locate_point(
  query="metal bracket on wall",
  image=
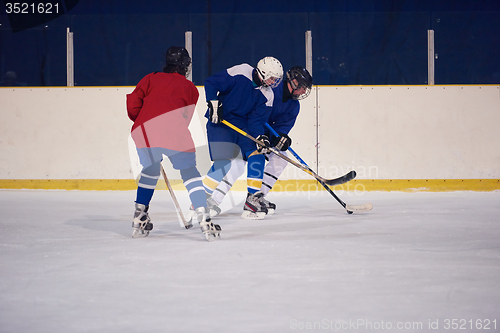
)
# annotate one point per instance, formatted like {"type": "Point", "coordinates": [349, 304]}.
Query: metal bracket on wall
{"type": "Point", "coordinates": [430, 57]}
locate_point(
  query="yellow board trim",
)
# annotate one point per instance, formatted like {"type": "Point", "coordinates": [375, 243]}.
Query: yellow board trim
{"type": "Point", "coordinates": [405, 185]}
{"type": "Point", "coordinates": [425, 185]}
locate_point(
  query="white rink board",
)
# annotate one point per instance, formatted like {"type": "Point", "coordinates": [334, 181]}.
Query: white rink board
{"type": "Point", "coordinates": [64, 133]}
{"type": "Point", "coordinates": [384, 132]}
{"type": "Point", "coordinates": [411, 132]}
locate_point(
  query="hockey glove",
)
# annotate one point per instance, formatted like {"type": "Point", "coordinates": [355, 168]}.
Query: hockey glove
{"type": "Point", "coordinates": [215, 111]}
{"type": "Point", "coordinates": [265, 140]}
{"type": "Point", "coordinates": [282, 142]}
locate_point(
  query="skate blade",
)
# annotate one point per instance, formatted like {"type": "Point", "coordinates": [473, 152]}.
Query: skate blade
{"type": "Point", "coordinates": [270, 211]}
{"type": "Point", "coordinates": [211, 237]}
{"type": "Point", "coordinates": [248, 215]}
{"type": "Point", "coordinates": [140, 233]}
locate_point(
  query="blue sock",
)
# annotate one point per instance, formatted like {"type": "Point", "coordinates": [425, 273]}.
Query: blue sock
{"type": "Point", "coordinates": [194, 184]}
{"type": "Point", "coordinates": [147, 184]}
{"type": "Point", "coordinates": [255, 172]}
{"type": "Point", "coordinates": [144, 196]}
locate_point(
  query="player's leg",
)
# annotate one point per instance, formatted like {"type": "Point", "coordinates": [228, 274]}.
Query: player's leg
{"type": "Point", "coordinates": [254, 207]}
{"type": "Point", "coordinates": [215, 174]}
{"type": "Point", "coordinates": [222, 148]}
{"type": "Point", "coordinates": [150, 173]}
{"type": "Point", "coordinates": [236, 170]}
{"type": "Point", "coordinates": [185, 162]}
{"type": "Point", "coordinates": [274, 168]}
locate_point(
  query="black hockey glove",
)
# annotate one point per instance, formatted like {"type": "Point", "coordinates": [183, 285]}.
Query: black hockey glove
{"type": "Point", "coordinates": [282, 142]}
{"type": "Point", "coordinates": [265, 140]}
{"type": "Point", "coordinates": [215, 111]}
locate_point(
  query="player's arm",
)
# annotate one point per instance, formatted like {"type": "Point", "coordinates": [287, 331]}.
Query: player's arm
{"type": "Point", "coordinates": [283, 124]}
{"type": "Point", "coordinates": [259, 115]}
{"type": "Point", "coordinates": [220, 82]}
{"type": "Point", "coordinates": [192, 95]}
{"type": "Point", "coordinates": [214, 85]}
{"type": "Point", "coordinates": [256, 126]}
{"type": "Point", "coordinates": [135, 100]}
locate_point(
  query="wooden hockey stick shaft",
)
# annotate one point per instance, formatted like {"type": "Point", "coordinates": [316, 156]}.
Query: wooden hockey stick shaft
{"type": "Point", "coordinates": [298, 165]}
{"type": "Point", "coordinates": [350, 209]}
{"type": "Point", "coordinates": [342, 203]}
{"type": "Point", "coordinates": [174, 198]}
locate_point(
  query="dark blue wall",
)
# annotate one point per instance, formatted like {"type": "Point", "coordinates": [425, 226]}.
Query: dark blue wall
{"type": "Point", "coordinates": [354, 42]}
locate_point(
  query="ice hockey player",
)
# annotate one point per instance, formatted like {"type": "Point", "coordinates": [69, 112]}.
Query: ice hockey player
{"type": "Point", "coordinates": [161, 107]}
{"type": "Point", "coordinates": [243, 96]}
{"type": "Point", "coordinates": [295, 86]}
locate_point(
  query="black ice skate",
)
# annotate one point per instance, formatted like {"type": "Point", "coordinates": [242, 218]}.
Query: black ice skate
{"type": "Point", "coordinates": [210, 230]}
{"type": "Point", "coordinates": [255, 208]}
{"type": "Point", "coordinates": [271, 206]}
{"type": "Point", "coordinates": [141, 223]}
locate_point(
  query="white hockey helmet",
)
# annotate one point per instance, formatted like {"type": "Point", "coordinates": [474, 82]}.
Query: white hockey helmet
{"type": "Point", "coordinates": [270, 71]}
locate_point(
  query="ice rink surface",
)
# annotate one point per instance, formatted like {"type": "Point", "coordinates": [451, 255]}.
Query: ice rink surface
{"type": "Point", "coordinates": [414, 263]}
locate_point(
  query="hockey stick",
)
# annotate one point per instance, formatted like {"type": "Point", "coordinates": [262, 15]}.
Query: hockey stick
{"type": "Point", "coordinates": [339, 181]}
{"type": "Point", "coordinates": [335, 181]}
{"type": "Point", "coordinates": [349, 208]}
{"type": "Point", "coordinates": [184, 223]}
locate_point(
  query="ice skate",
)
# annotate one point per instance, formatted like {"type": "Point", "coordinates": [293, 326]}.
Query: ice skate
{"type": "Point", "coordinates": [141, 223]}
{"type": "Point", "coordinates": [212, 207]}
{"type": "Point", "coordinates": [189, 217]}
{"type": "Point", "coordinates": [255, 208]}
{"type": "Point", "coordinates": [209, 229]}
{"type": "Point", "coordinates": [271, 206]}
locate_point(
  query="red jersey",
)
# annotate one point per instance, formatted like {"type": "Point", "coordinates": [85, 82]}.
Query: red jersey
{"type": "Point", "coordinates": [161, 107]}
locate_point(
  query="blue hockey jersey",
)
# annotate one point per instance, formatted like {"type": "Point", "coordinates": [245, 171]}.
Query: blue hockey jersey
{"type": "Point", "coordinates": [243, 103]}
{"type": "Point", "coordinates": [283, 114]}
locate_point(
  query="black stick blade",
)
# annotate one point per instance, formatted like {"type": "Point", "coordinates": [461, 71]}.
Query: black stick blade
{"type": "Point", "coordinates": [341, 180]}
